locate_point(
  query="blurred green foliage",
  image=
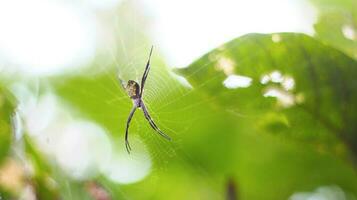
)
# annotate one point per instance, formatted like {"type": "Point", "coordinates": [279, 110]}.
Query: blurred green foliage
{"type": "Point", "coordinates": [220, 133]}
{"type": "Point", "coordinates": [292, 128]}
{"type": "Point", "coordinates": [320, 110]}
{"type": "Point", "coordinates": [337, 24]}
{"type": "Point", "coordinates": [6, 113]}
{"type": "Point", "coordinates": [315, 86]}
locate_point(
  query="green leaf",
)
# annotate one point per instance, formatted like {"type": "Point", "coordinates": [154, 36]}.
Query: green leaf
{"type": "Point", "coordinates": [299, 87]}
{"type": "Point", "coordinates": [6, 113]}
{"type": "Point", "coordinates": [337, 24]}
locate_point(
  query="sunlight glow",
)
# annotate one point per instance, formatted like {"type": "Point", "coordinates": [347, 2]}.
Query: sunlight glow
{"type": "Point", "coordinates": [39, 114]}
{"type": "Point", "coordinates": [322, 193]}
{"type": "Point", "coordinates": [349, 32]}
{"type": "Point", "coordinates": [288, 83]}
{"type": "Point", "coordinates": [104, 4]}
{"type": "Point", "coordinates": [265, 79]}
{"type": "Point", "coordinates": [43, 37]}
{"type": "Point", "coordinates": [81, 147]}
{"type": "Point", "coordinates": [276, 77]}
{"type": "Point", "coordinates": [225, 64]}
{"type": "Point", "coordinates": [187, 29]}
{"type": "Point", "coordinates": [284, 98]}
{"type": "Point", "coordinates": [237, 81]}
{"type": "Point", "coordinates": [125, 169]}
{"type": "Point", "coordinates": [276, 38]}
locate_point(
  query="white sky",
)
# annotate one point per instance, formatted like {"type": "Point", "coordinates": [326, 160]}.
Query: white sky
{"type": "Point", "coordinates": [43, 37]}
{"type": "Point", "coordinates": [187, 29]}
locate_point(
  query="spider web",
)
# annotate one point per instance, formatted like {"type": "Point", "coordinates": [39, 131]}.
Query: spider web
{"type": "Point", "coordinates": [158, 100]}
{"type": "Point", "coordinates": [164, 96]}
{"type": "Point", "coordinates": [174, 107]}
{"type": "Point", "coordinates": [167, 100]}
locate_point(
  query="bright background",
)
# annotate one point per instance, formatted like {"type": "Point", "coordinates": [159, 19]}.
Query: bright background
{"type": "Point", "coordinates": [60, 59]}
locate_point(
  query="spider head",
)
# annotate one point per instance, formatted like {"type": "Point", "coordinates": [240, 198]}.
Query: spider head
{"type": "Point", "coordinates": [133, 89]}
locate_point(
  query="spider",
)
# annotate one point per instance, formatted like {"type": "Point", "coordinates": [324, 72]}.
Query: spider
{"type": "Point", "coordinates": [135, 92]}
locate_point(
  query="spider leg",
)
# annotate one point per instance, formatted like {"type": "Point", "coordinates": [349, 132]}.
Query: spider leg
{"type": "Point", "coordinates": [152, 123]}
{"type": "Point", "coordinates": [146, 72]}
{"type": "Point", "coordinates": [127, 145]}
